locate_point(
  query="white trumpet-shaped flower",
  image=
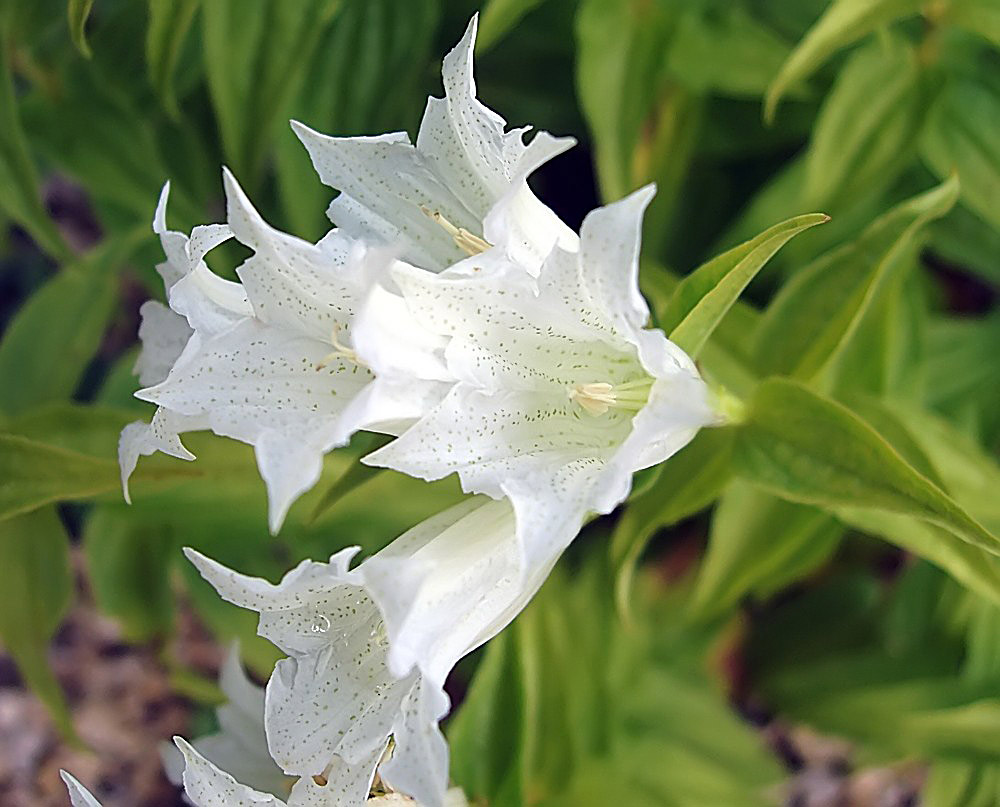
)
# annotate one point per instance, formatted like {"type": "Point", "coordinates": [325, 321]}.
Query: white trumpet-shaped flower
{"type": "Point", "coordinates": [268, 360]}
{"type": "Point", "coordinates": [262, 360]}
{"type": "Point", "coordinates": [558, 392]}
{"type": "Point", "coordinates": [369, 648]}
{"type": "Point", "coordinates": [459, 189]}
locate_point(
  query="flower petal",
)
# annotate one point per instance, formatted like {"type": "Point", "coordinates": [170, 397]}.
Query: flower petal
{"type": "Point", "coordinates": [609, 255]}
{"type": "Point", "coordinates": [207, 786]}
{"type": "Point", "coordinates": [384, 182]}
{"type": "Point", "coordinates": [161, 434]}
{"type": "Point", "coordinates": [334, 694]}
{"type": "Point", "coordinates": [419, 762]}
{"type": "Point", "coordinates": [290, 282]}
{"type": "Point", "coordinates": [79, 796]}
{"type": "Point", "coordinates": [261, 385]}
{"type": "Point", "coordinates": [163, 335]}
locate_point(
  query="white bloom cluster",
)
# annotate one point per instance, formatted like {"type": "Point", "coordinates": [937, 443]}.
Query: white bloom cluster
{"type": "Point", "coordinates": [453, 311]}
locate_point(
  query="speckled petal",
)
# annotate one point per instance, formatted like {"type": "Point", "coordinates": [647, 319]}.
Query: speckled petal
{"type": "Point", "coordinates": [445, 584]}
{"type": "Point", "coordinates": [261, 385]}
{"type": "Point", "coordinates": [334, 694]}
{"type": "Point", "coordinates": [207, 786]}
{"type": "Point", "coordinates": [79, 796]}
{"type": "Point", "coordinates": [419, 762]}
{"type": "Point", "coordinates": [384, 181]}
{"type": "Point", "coordinates": [609, 255]}
{"type": "Point", "coordinates": [347, 785]}
{"type": "Point", "coordinates": [291, 283]}
{"type": "Point", "coordinates": [163, 334]}
{"type": "Point", "coordinates": [161, 434]}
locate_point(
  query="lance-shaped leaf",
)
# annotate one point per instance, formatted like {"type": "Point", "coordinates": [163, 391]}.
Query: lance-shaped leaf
{"type": "Point", "coordinates": [18, 182]}
{"type": "Point", "coordinates": [704, 297]}
{"type": "Point", "coordinates": [33, 474]}
{"type": "Point", "coordinates": [758, 544]}
{"type": "Point", "coordinates": [845, 21]}
{"type": "Point", "coordinates": [807, 448]}
{"type": "Point", "coordinates": [961, 136]}
{"type": "Point", "coordinates": [35, 590]}
{"type": "Point", "coordinates": [692, 479]}
{"type": "Point", "coordinates": [817, 313]}
{"type": "Point", "coordinates": [77, 12]}
{"type": "Point", "coordinates": [169, 23]}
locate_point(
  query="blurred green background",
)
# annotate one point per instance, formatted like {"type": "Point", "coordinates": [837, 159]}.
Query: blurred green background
{"type": "Point", "coordinates": [711, 655]}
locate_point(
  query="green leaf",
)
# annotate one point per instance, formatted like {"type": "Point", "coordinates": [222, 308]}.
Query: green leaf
{"type": "Point", "coordinates": [357, 474]}
{"type": "Point", "coordinates": [869, 124]}
{"type": "Point", "coordinates": [169, 23]}
{"type": "Point", "coordinates": [704, 297]}
{"type": "Point", "coordinates": [52, 338]}
{"type": "Point", "coordinates": [954, 783]}
{"type": "Point", "coordinates": [981, 17]}
{"type": "Point", "coordinates": [961, 137]}
{"type": "Point", "coordinates": [843, 22]}
{"type": "Point", "coordinates": [33, 474]}
{"type": "Point", "coordinates": [817, 313]}
{"type": "Point", "coordinates": [758, 544]}
{"type": "Point", "coordinates": [806, 448]}
{"type": "Point", "coordinates": [499, 16]}
{"type": "Point", "coordinates": [77, 11]}
{"type": "Point", "coordinates": [687, 483]}
{"type": "Point", "coordinates": [19, 196]}
{"type": "Point", "coordinates": [725, 50]}
{"type": "Point", "coordinates": [37, 587]}
{"type": "Point", "coordinates": [254, 64]}
{"type": "Point", "coordinates": [129, 562]}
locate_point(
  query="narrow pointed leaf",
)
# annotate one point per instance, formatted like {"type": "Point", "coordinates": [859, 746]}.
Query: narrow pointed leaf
{"type": "Point", "coordinates": [806, 448]}
{"type": "Point", "coordinates": [844, 22]}
{"type": "Point", "coordinates": [704, 297]}
{"type": "Point", "coordinates": [77, 11]}
{"type": "Point", "coordinates": [19, 197]}
{"type": "Point", "coordinates": [817, 313]}
{"type": "Point", "coordinates": [169, 23]}
{"type": "Point", "coordinates": [35, 590]}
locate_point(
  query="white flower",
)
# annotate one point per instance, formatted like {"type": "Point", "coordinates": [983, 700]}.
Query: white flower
{"type": "Point", "coordinates": [369, 648]}
{"type": "Point", "coordinates": [268, 360]}
{"type": "Point", "coordinates": [558, 392]}
{"type": "Point", "coordinates": [459, 189]}
{"type": "Point", "coordinates": [263, 361]}
{"type": "Point", "coordinates": [239, 747]}
{"type": "Point", "coordinates": [79, 796]}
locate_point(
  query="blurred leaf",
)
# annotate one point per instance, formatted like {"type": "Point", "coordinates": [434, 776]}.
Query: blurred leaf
{"type": "Point", "coordinates": [689, 482]}
{"type": "Point", "coordinates": [77, 12]}
{"type": "Point", "coordinates": [805, 448]}
{"type": "Point", "coordinates": [619, 50]}
{"type": "Point", "coordinates": [499, 16]}
{"type": "Point", "coordinates": [961, 137]}
{"type": "Point", "coordinates": [953, 783]}
{"type": "Point", "coordinates": [703, 298]}
{"type": "Point", "coordinates": [33, 474]}
{"type": "Point", "coordinates": [169, 23]}
{"type": "Point", "coordinates": [981, 17]}
{"type": "Point", "coordinates": [725, 49]}
{"type": "Point", "coordinates": [368, 84]}
{"type": "Point", "coordinates": [758, 544]}
{"type": "Point", "coordinates": [485, 735]}
{"type": "Point", "coordinates": [37, 588]}
{"type": "Point", "coordinates": [357, 473]}
{"type": "Point", "coordinates": [817, 313]}
{"type": "Point", "coordinates": [843, 22]}
{"type": "Point", "coordinates": [965, 239]}
{"type": "Point", "coordinates": [128, 563]}
{"type": "Point", "coordinates": [18, 182]}
{"type": "Point", "coordinates": [254, 64]}
{"type": "Point", "coordinates": [868, 127]}
{"type": "Point", "coordinates": [53, 336]}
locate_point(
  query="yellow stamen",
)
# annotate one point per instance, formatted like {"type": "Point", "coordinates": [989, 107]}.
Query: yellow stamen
{"type": "Point", "coordinates": [341, 351]}
{"type": "Point", "coordinates": [598, 397]}
{"type": "Point", "coordinates": [469, 242]}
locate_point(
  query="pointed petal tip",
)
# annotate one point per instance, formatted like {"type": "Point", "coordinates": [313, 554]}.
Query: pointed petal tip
{"type": "Point", "coordinates": [160, 216]}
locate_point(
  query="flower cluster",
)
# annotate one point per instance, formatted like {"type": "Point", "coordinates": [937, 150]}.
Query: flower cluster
{"type": "Point", "coordinates": [453, 311]}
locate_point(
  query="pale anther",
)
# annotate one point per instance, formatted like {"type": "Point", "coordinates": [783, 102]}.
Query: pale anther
{"type": "Point", "coordinates": [466, 241]}
{"type": "Point", "coordinates": [598, 397]}
{"type": "Point", "coordinates": [341, 351]}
